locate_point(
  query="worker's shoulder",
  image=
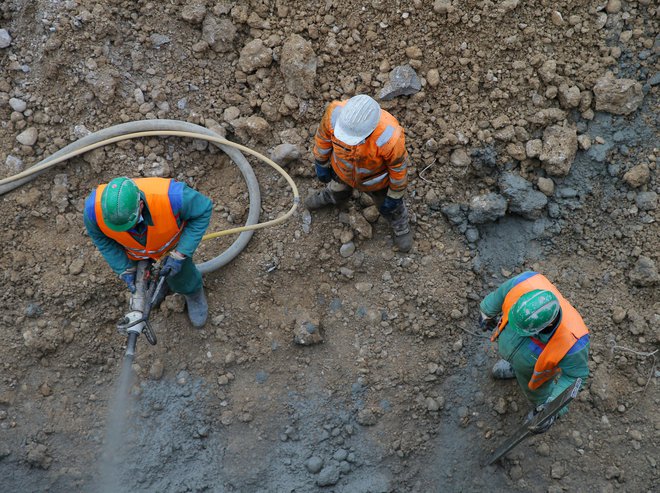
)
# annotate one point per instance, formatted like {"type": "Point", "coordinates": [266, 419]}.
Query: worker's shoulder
{"type": "Point", "coordinates": [389, 132]}
{"type": "Point", "coordinates": [90, 206]}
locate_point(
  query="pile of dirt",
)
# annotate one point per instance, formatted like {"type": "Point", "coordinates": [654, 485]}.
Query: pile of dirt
{"type": "Point", "coordinates": [533, 132]}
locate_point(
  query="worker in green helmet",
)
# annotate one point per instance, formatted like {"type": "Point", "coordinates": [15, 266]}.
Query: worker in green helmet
{"type": "Point", "coordinates": [152, 219]}
{"type": "Point", "coordinates": [542, 339]}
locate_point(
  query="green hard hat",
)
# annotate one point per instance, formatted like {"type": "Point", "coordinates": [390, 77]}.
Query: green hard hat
{"type": "Point", "coordinates": [120, 204]}
{"type": "Point", "coordinates": [533, 312]}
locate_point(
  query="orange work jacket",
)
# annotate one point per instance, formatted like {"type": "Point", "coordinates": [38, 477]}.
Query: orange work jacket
{"type": "Point", "coordinates": [165, 232]}
{"type": "Point", "coordinates": [570, 330]}
{"type": "Point", "coordinates": [381, 161]}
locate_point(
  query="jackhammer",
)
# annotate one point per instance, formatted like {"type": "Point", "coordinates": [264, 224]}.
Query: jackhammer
{"type": "Point", "coordinates": [148, 288]}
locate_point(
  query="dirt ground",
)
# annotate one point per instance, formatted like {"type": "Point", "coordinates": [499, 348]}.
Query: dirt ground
{"type": "Point", "coordinates": [516, 100]}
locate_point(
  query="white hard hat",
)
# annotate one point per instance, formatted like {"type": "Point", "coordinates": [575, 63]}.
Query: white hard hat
{"type": "Point", "coordinates": [358, 118]}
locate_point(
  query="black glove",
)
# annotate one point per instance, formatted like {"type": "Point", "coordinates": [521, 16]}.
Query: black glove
{"type": "Point", "coordinates": [128, 276]}
{"type": "Point", "coordinates": [323, 173]}
{"type": "Point", "coordinates": [486, 323]}
{"type": "Point", "coordinates": [172, 265]}
{"type": "Point", "coordinates": [389, 205]}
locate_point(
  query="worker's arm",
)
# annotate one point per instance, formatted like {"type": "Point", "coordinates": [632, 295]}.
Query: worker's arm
{"type": "Point", "coordinates": [113, 253]}
{"type": "Point", "coordinates": [573, 366]}
{"type": "Point", "coordinates": [196, 210]}
{"type": "Point", "coordinates": [397, 160]}
{"type": "Point", "coordinates": [491, 305]}
{"type": "Point", "coordinates": [323, 138]}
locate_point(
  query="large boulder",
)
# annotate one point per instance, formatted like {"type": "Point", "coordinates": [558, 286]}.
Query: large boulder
{"type": "Point", "coordinates": [559, 147]}
{"type": "Point", "coordinates": [298, 65]}
{"type": "Point", "coordinates": [523, 199]}
{"type": "Point", "coordinates": [618, 96]}
{"type": "Point", "coordinates": [255, 55]}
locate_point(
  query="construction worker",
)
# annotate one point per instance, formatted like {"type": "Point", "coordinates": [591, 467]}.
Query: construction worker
{"type": "Point", "coordinates": [147, 219]}
{"type": "Point", "coordinates": [542, 339]}
{"type": "Point", "coordinates": [359, 145]}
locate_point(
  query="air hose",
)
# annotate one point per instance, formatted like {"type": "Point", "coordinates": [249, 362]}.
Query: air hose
{"type": "Point", "coordinates": [176, 128]}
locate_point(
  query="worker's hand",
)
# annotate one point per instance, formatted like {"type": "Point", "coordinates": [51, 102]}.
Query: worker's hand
{"type": "Point", "coordinates": [323, 173]}
{"type": "Point", "coordinates": [537, 430]}
{"type": "Point", "coordinates": [389, 205]}
{"type": "Point", "coordinates": [485, 322]}
{"type": "Point", "coordinates": [172, 265]}
{"type": "Point", "coordinates": [128, 276]}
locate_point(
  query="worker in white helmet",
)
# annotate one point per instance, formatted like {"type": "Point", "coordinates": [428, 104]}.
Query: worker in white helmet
{"type": "Point", "coordinates": [359, 145]}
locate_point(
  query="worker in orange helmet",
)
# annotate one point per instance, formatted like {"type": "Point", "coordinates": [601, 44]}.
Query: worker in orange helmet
{"type": "Point", "coordinates": [360, 146]}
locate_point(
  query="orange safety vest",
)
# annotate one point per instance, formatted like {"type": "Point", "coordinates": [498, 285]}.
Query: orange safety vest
{"type": "Point", "coordinates": [165, 232]}
{"type": "Point", "coordinates": [381, 161]}
{"type": "Point", "coordinates": [570, 330]}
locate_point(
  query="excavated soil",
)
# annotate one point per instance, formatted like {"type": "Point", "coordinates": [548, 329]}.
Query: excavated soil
{"type": "Point", "coordinates": [398, 397]}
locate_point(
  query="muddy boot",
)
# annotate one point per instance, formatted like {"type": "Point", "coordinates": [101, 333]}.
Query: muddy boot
{"type": "Point", "coordinates": [502, 370]}
{"type": "Point", "coordinates": [198, 309]}
{"type": "Point", "coordinates": [403, 237]}
{"type": "Point", "coordinates": [325, 197]}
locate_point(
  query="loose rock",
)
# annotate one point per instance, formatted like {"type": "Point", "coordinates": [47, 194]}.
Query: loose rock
{"type": "Point", "coordinates": [637, 176]}
{"type": "Point", "coordinates": [28, 137]}
{"type": "Point", "coordinates": [559, 148]}
{"type": "Point", "coordinates": [5, 38]}
{"type": "Point", "coordinates": [403, 81]}
{"type": "Point", "coordinates": [487, 208]}
{"type": "Point", "coordinates": [644, 273]}
{"type": "Point", "coordinates": [255, 55]}
{"type": "Point", "coordinates": [314, 464]}
{"type": "Point", "coordinates": [647, 201]}
{"type": "Point", "coordinates": [298, 66]}
{"type": "Point", "coordinates": [523, 199]}
{"type": "Point", "coordinates": [618, 96]}
{"type": "Point", "coordinates": [285, 154]}
{"type": "Point", "coordinates": [219, 34]}
{"type": "Point", "coordinates": [328, 476]}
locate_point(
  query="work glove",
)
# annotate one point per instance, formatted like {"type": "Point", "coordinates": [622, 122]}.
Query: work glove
{"type": "Point", "coordinates": [389, 205]}
{"type": "Point", "coordinates": [128, 276]}
{"type": "Point", "coordinates": [486, 323]}
{"type": "Point", "coordinates": [172, 265]}
{"type": "Point", "coordinates": [543, 428]}
{"type": "Point", "coordinates": [323, 173]}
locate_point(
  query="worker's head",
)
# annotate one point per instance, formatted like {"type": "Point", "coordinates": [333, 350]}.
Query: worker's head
{"type": "Point", "coordinates": [534, 312]}
{"type": "Point", "coordinates": [120, 204]}
{"type": "Point", "coordinates": [357, 119]}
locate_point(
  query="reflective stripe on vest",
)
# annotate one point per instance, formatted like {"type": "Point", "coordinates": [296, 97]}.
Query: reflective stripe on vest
{"type": "Point", "coordinates": [570, 330]}
{"type": "Point", "coordinates": [165, 232]}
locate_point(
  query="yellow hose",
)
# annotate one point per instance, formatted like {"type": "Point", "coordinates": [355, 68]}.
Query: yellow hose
{"type": "Point", "coordinates": [192, 135]}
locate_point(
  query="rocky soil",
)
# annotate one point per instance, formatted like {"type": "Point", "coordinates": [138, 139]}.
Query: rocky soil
{"type": "Point", "coordinates": [533, 130]}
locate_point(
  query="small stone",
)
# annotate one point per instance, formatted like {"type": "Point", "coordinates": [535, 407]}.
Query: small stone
{"type": "Point", "coordinates": [613, 6]}
{"type": "Point", "coordinates": [647, 201]}
{"type": "Point", "coordinates": [37, 455]}
{"type": "Point", "coordinates": [516, 473]}
{"type": "Point", "coordinates": [433, 77]}
{"type": "Point", "coordinates": [584, 141]}
{"type": "Point", "coordinates": [546, 185]}
{"type": "Point", "coordinates": [28, 137]}
{"type": "Point", "coordinates": [559, 148]}
{"type": "Point", "coordinates": [533, 148]}
{"type": "Point", "coordinates": [363, 287]}
{"type": "Point", "coordinates": [543, 449]}
{"type": "Point", "coordinates": [298, 64]}
{"type": "Point", "coordinates": [618, 314]}
{"type": "Point", "coordinates": [17, 105]}
{"type": "Point", "coordinates": [637, 176]}
{"type": "Point", "coordinates": [328, 476]}
{"type": "Point", "coordinates": [500, 406]}
{"type": "Point", "coordinates": [367, 417]}
{"type": "Point", "coordinates": [45, 389]}
{"type": "Point", "coordinates": [523, 199]}
{"type": "Point", "coordinates": [314, 464]}
{"type": "Point", "coordinates": [285, 154]}
{"type": "Point", "coordinates": [255, 55]}
{"type": "Point", "coordinates": [612, 472]}
{"type": "Point", "coordinates": [307, 331]}
{"type": "Point", "coordinates": [347, 249]}
{"type": "Point", "coordinates": [431, 404]}
{"type": "Point", "coordinates": [371, 214]}
{"type": "Point", "coordinates": [156, 370]}
{"type": "Point", "coordinates": [460, 158]}
{"type": "Point", "coordinates": [14, 164]}
{"type": "Point", "coordinates": [5, 38]}
{"type": "Point", "coordinates": [557, 470]}
{"type": "Point", "coordinates": [194, 12]}
{"type": "Point", "coordinates": [219, 34]}
{"type": "Point", "coordinates": [340, 454]}
{"type": "Point", "coordinates": [644, 273]}
{"type": "Point", "coordinates": [76, 266]}
{"type": "Point", "coordinates": [442, 6]}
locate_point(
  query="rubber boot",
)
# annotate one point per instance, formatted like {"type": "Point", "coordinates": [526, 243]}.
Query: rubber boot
{"type": "Point", "coordinates": [325, 197]}
{"type": "Point", "coordinates": [502, 370]}
{"type": "Point", "coordinates": [403, 237]}
{"type": "Point", "coordinates": [198, 309]}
